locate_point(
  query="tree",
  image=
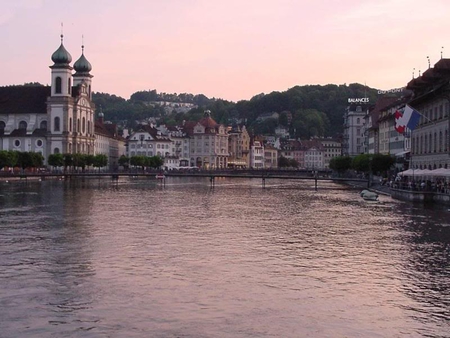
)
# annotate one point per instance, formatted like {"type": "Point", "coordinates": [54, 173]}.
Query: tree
{"type": "Point", "coordinates": [56, 160]}
{"type": "Point", "coordinates": [68, 160]}
{"type": "Point", "coordinates": [25, 160]}
{"type": "Point", "coordinates": [124, 161]}
{"type": "Point", "coordinates": [362, 163]}
{"type": "Point", "coordinates": [341, 164]}
{"type": "Point", "coordinates": [100, 160]}
{"type": "Point", "coordinates": [8, 158]}
{"type": "Point", "coordinates": [382, 163]}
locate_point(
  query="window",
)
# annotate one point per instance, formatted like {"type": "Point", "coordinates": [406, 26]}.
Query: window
{"type": "Point", "coordinates": [39, 143]}
{"type": "Point", "coordinates": [78, 125]}
{"type": "Point", "coordinates": [23, 125]}
{"type": "Point", "coordinates": [57, 123]}
{"type": "Point", "coordinates": [56, 151]}
{"type": "Point", "coordinates": [17, 143]}
{"type": "Point", "coordinates": [2, 126]}
{"type": "Point", "coordinates": [70, 124]}
{"type": "Point", "coordinates": [58, 85]}
{"type": "Point", "coordinates": [69, 85]}
{"type": "Point", "coordinates": [43, 125]}
{"type": "Point", "coordinates": [84, 125]}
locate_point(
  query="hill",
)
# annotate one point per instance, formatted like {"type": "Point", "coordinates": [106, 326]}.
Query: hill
{"type": "Point", "coordinates": [311, 110]}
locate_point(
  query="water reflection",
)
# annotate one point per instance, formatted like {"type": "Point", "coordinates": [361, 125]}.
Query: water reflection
{"type": "Point", "coordinates": [135, 258]}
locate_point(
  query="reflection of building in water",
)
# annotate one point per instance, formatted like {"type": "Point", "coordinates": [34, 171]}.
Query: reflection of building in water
{"type": "Point", "coordinates": [58, 118]}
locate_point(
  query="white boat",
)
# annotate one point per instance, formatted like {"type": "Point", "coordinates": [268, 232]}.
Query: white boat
{"type": "Point", "coordinates": [160, 176]}
{"type": "Point", "coordinates": [368, 195]}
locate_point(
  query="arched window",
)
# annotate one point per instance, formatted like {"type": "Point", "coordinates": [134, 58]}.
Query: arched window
{"type": "Point", "coordinates": [43, 125]}
{"type": "Point", "coordinates": [57, 122]}
{"type": "Point", "coordinates": [70, 124]}
{"type": "Point", "coordinates": [78, 125]}
{"type": "Point", "coordinates": [357, 120]}
{"type": "Point", "coordinates": [23, 125]}
{"type": "Point", "coordinates": [58, 85]}
{"type": "Point", "coordinates": [56, 151]}
{"type": "Point", "coordinates": [84, 125]}
{"type": "Point", "coordinates": [69, 85]}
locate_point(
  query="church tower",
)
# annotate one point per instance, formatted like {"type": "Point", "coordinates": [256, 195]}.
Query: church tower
{"type": "Point", "coordinates": [60, 103]}
{"type": "Point", "coordinates": [84, 108]}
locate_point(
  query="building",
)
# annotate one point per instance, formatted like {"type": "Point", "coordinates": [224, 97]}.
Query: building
{"type": "Point", "coordinates": [270, 157]}
{"type": "Point", "coordinates": [238, 147]}
{"type": "Point", "coordinates": [208, 143]}
{"type": "Point", "coordinates": [430, 140]}
{"type": "Point", "coordinates": [314, 154]}
{"type": "Point", "coordinates": [257, 155]}
{"type": "Point", "coordinates": [108, 142]}
{"type": "Point", "coordinates": [331, 148]}
{"type": "Point", "coordinates": [353, 142]}
{"type": "Point", "coordinates": [53, 119]}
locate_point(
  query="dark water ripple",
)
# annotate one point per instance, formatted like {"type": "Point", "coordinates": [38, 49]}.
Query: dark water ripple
{"type": "Point", "coordinates": [134, 259]}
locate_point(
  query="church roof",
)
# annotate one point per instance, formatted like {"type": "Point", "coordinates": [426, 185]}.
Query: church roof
{"type": "Point", "coordinates": [82, 65]}
{"type": "Point", "coordinates": [61, 56]}
{"type": "Point", "coordinates": [24, 99]}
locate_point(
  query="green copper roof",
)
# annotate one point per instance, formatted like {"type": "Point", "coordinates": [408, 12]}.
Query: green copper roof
{"type": "Point", "coordinates": [82, 65]}
{"type": "Point", "coordinates": [61, 56]}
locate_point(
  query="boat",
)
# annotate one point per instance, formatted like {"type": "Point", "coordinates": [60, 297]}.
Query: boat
{"type": "Point", "coordinates": [160, 176]}
{"type": "Point", "coordinates": [368, 195]}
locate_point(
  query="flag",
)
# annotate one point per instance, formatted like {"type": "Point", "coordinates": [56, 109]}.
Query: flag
{"type": "Point", "coordinates": [408, 119]}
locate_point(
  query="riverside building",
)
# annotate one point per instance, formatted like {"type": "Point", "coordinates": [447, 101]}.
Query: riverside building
{"type": "Point", "coordinates": [59, 118]}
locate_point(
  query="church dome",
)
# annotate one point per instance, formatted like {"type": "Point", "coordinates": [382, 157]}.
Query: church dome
{"type": "Point", "coordinates": [61, 55]}
{"type": "Point", "coordinates": [82, 65]}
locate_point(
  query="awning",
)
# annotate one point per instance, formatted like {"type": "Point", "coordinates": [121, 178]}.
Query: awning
{"type": "Point", "coordinates": [402, 153]}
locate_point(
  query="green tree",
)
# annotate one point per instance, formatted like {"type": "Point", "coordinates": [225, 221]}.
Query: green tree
{"type": "Point", "coordinates": [382, 163]}
{"type": "Point", "coordinates": [124, 161]}
{"type": "Point", "coordinates": [56, 160]}
{"type": "Point", "coordinates": [25, 160]}
{"type": "Point", "coordinates": [362, 163]}
{"type": "Point", "coordinates": [100, 160]}
{"type": "Point", "coordinates": [68, 161]}
{"type": "Point", "coordinates": [8, 158]}
{"type": "Point", "coordinates": [341, 164]}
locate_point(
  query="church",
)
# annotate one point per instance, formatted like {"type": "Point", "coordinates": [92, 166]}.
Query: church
{"type": "Point", "coordinates": [59, 118]}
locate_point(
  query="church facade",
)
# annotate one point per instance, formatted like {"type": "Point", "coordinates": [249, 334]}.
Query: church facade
{"type": "Point", "coordinates": [59, 118]}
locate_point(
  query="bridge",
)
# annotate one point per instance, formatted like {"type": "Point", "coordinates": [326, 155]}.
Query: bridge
{"type": "Point", "coordinates": [264, 175]}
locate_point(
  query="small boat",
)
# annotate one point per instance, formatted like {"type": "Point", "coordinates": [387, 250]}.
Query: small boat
{"type": "Point", "coordinates": [368, 195]}
{"type": "Point", "coordinates": [160, 176]}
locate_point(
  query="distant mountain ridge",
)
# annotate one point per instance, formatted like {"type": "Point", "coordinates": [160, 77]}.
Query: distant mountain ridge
{"type": "Point", "coordinates": [313, 110]}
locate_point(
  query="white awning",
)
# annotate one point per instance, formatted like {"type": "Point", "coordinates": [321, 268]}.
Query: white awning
{"type": "Point", "coordinates": [402, 153]}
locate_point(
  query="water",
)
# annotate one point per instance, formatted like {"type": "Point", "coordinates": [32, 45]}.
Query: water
{"type": "Point", "coordinates": [96, 258]}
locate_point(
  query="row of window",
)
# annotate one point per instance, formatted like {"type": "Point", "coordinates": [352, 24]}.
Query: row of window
{"type": "Point", "coordinates": [430, 143]}
{"type": "Point", "coordinates": [38, 143]}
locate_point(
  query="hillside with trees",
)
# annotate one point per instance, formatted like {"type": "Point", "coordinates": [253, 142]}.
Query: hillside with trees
{"type": "Point", "coordinates": [306, 111]}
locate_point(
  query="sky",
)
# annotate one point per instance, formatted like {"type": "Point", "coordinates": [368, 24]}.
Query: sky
{"type": "Point", "coordinates": [229, 49]}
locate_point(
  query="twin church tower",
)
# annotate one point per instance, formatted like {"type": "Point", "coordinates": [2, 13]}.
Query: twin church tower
{"type": "Point", "coordinates": [51, 119]}
{"type": "Point", "coordinates": [70, 109]}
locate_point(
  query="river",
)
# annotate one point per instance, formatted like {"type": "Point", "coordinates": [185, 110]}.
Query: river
{"type": "Point", "coordinates": [135, 258]}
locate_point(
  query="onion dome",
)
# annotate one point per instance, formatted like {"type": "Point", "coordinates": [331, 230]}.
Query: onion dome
{"type": "Point", "coordinates": [61, 56]}
{"type": "Point", "coordinates": [82, 65]}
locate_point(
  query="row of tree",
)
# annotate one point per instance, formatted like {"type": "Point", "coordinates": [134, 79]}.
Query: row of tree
{"type": "Point", "coordinates": [154, 162]}
{"type": "Point", "coordinates": [77, 161]}
{"type": "Point", "coordinates": [365, 163]}
{"type": "Point", "coordinates": [23, 160]}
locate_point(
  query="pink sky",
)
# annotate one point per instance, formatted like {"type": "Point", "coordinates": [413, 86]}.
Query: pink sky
{"type": "Point", "coordinates": [230, 49]}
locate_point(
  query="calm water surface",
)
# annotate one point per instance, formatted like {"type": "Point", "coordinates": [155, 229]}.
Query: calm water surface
{"type": "Point", "coordinates": [96, 258]}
